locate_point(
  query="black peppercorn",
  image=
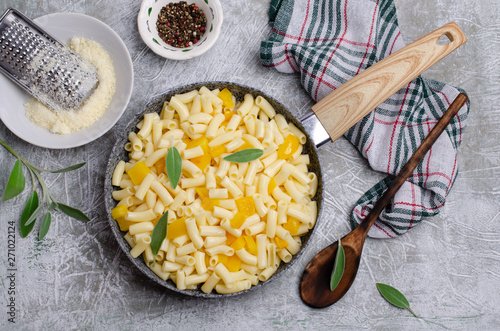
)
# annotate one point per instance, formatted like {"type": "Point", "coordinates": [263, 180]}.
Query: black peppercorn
{"type": "Point", "coordinates": [181, 25]}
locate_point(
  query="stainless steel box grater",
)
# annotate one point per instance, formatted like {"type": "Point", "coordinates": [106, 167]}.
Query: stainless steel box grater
{"type": "Point", "coordinates": [47, 69]}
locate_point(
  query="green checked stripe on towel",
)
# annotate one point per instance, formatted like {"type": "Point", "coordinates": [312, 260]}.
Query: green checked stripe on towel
{"type": "Point", "coordinates": [328, 42]}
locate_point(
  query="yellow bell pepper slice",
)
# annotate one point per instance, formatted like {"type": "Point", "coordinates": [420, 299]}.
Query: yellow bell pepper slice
{"type": "Point", "coordinates": [281, 243]}
{"type": "Point", "coordinates": [203, 160]}
{"type": "Point", "coordinates": [221, 258]}
{"type": "Point", "coordinates": [177, 228]}
{"type": "Point", "coordinates": [238, 220]}
{"type": "Point", "coordinates": [230, 238]}
{"type": "Point", "coordinates": [246, 145]}
{"type": "Point", "coordinates": [226, 97]}
{"type": "Point", "coordinates": [119, 211]}
{"type": "Point", "coordinates": [246, 206]}
{"type": "Point", "coordinates": [160, 166]}
{"type": "Point", "coordinates": [232, 263]}
{"type": "Point", "coordinates": [238, 244]}
{"type": "Point", "coordinates": [271, 186]}
{"type": "Point", "coordinates": [292, 225]}
{"type": "Point", "coordinates": [217, 151]}
{"type": "Point", "coordinates": [123, 223]}
{"type": "Point", "coordinates": [208, 204]}
{"type": "Point", "coordinates": [202, 192]}
{"type": "Point", "coordinates": [251, 245]}
{"type": "Point", "coordinates": [228, 114]}
{"type": "Point", "coordinates": [138, 172]}
{"type": "Point", "coordinates": [202, 141]}
{"type": "Point", "coordinates": [288, 147]}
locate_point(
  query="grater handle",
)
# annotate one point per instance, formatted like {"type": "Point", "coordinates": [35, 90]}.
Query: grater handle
{"type": "Point", "coordinates": [43, 66]}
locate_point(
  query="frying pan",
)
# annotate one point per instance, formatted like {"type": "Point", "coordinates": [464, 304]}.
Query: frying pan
{"type": "Point", "coordinates": [332, 117]}
{"type": "Point", "coordinates": [118, 153]}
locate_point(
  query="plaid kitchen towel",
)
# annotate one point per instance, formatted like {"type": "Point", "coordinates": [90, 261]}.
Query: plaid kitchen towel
{"type": "Point", "coordinates": [330, 41]}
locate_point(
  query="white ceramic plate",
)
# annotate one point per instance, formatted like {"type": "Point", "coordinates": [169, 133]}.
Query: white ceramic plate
{"type": "Point", "coordinates": [64, 26]}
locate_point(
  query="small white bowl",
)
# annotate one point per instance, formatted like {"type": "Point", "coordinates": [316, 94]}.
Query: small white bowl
{"type": "Point", "coordinates": [146, 22]}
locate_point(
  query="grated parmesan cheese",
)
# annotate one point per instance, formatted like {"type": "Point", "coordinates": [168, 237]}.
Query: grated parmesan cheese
{"type": "Point", "coordinates": [68, 121]}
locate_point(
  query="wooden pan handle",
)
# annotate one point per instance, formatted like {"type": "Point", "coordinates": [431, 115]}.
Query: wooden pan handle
{"type": "Point", "coordinates": [349, 103]}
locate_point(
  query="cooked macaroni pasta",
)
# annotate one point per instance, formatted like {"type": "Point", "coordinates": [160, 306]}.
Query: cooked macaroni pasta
{"type": "Point", "coordinates": [230, 225]}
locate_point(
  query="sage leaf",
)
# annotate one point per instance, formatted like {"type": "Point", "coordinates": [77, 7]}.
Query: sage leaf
{"type": "Point", "coordinates": [245, 155]}
{"type": "Point", "coordinates": [338, 267]}
{"type": "Point", "coordinates": [72, 212]}
{"type": "Point", "coordinates": [70, 168]}
{"type": "Point", "coordinates": [29, 209]}
{"type": "Point", "coordinates": [33, 216]}
{"type": "Point", "coordinates": [173, 163]}
{"type": "Point", "coordinates": [44, 227]}
{"type": "Point", "coordinates": [16, 182]}
{"type": "Point", "coordinates": [394, 297]}
{"type": "Point", "coordinates": [159, 233]}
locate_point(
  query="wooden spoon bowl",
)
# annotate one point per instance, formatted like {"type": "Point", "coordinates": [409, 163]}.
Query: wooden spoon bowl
{"type": "Point", "coordinates": [315, 283]}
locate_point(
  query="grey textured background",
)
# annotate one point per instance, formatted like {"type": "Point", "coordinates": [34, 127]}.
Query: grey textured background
{"type": "Point", "coordinates": [448, 267]}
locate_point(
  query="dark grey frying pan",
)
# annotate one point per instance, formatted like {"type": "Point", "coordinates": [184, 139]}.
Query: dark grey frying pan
{"type": "Point", "coordinates": [118, 153]}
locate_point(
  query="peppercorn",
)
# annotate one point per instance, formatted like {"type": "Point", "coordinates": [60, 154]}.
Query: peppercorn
{"type": "Point", "coordinates": [181, 25]}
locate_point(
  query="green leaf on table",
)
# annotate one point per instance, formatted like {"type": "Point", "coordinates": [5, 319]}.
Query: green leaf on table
{"type": "Point", "coordinates": [72, 212]}
{"type": "Point", "coordinates": [159, 233]}
{"type": "Point", "coordinates": [44, 227]}
{"type": "Point", "coordinates": [16, 182]}
{"type": "Point", "coordinates": [29, 209]}
{"type": "Point", "coordinates": [394, 297]}
{"type": "Point", "coordinates": [70, 168]}
{"type": "Point", "coordinates": [245, 155]}
{"type": "Point", "coordinates": [338, 267]}
{"type": "Point", "coordinates": [173, 163]}
{"type": "Point", "coordinates": [33, 216]}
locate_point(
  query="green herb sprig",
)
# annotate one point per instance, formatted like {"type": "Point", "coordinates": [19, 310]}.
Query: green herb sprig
{"type": "Point", "coordinates": [173, 162]}
{"type": "Point", "coordinates": [33, 208]}
{"type": "Point", "coordinates": [245, 155]}
{"type": "Point", "coordinates": [394, 297]}
{"type": "Point", "coordinates": [338, 267]}
{"type": "Point", "coordinates": [159, 234]}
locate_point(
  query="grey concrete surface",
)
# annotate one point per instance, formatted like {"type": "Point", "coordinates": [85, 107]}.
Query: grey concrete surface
{"type": "Point", "coordinates": [448, 267]}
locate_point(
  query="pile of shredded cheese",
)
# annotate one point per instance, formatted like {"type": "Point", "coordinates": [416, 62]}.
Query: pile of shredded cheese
{"type": "Point", "coordinates": [68, 121]}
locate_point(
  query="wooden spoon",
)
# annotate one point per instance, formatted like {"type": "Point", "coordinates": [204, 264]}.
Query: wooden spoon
{"type": "Point", "coordinates": [315, 282]}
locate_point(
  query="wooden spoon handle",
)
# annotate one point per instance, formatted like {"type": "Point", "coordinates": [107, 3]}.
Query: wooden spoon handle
{"type": "Point", "coordinates": [349, 103]}
{"type": "Point", "coordinates": [315, 281]}
{"type": "Point", "coordinates": [410, 165]}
